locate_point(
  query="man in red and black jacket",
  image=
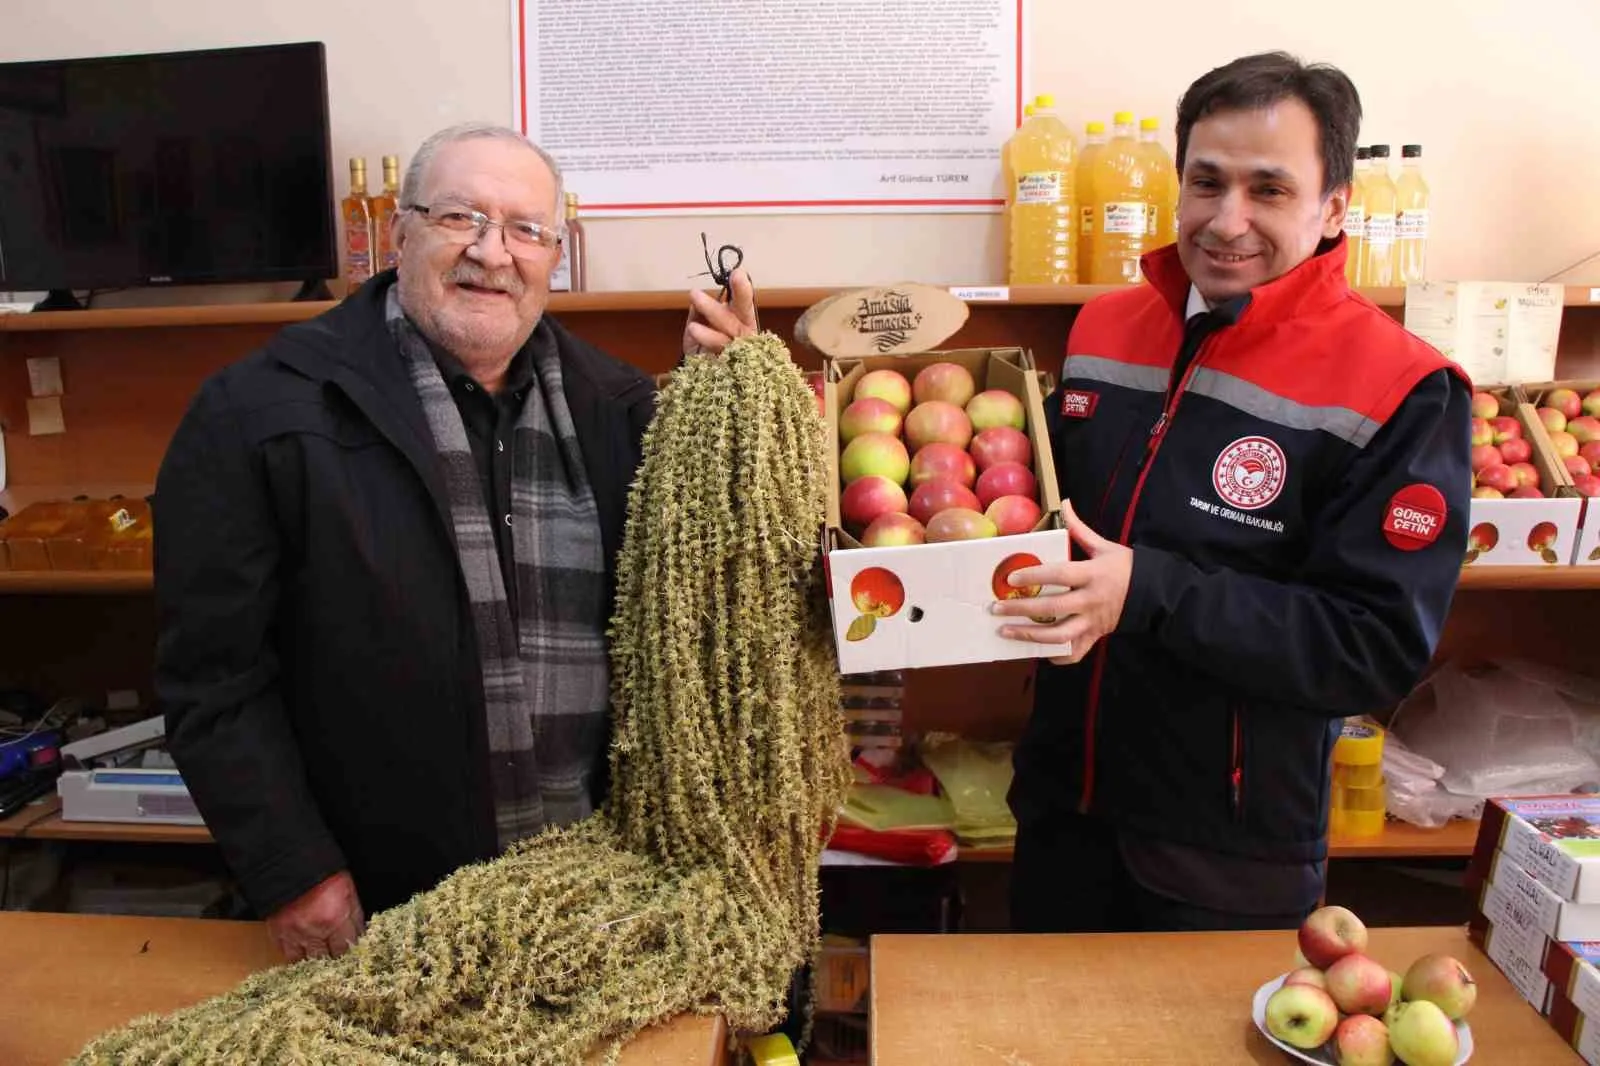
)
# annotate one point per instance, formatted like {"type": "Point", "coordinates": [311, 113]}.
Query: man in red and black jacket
{"type": "Point", "coordinates": [1268, 482]}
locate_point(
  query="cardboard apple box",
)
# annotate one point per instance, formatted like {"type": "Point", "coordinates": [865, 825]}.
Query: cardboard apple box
{"type": "Point", "coordinates": [1526, 532]}
{"type": "Point", "coordinates": [939, 612]}
{"type": "Point", "coordinates": [1587, 549]}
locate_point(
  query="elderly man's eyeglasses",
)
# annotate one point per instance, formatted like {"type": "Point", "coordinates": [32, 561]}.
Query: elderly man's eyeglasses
{"type": "Point", "coordinates": [463, 225]}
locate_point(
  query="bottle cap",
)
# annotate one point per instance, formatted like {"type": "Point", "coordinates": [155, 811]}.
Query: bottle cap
{"type": "Point", "coordinates": [1149, 123]}
{"type": "Point", "coordinates": [1044, 100]}
{"type": "Point", "coordinates": [391, 161]}
{"type": "Point", "coordinates": [1123, 118]}
{"type": "Point", "coordinates": [1096, 127]}
{"type": "Point", "coordinates": [1363, 152]}
{"type": "Point", "coordinates": [1411, 151]}
{"type": "Point", "coordinates": [1380, 151]}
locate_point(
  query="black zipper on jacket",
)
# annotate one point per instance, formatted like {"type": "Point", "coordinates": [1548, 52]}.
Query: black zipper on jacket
{"type": "Point", "coordinates": [1236, 764]}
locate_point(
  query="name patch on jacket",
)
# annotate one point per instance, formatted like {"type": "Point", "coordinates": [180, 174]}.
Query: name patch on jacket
{"type": "Point", "coordinates": [1415, 517]}
{"type": "Point", "coordinates": [1078, 403]}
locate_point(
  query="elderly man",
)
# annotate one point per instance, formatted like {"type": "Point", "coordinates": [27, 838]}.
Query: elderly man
{"type": "Point", "coordinates": [384, 558]}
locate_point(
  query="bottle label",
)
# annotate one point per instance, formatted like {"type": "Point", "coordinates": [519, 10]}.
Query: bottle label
{"type": "Point", "coordinates": [1039, 187]}
{"type": "Point", "coordinates": [1130, 219]}
{"type": "Point", "coordinates": [561, 276]}
{"type": "Point", "coordinates": [1412, 225]}
{"type": "Point", "coordinates": [1355, 222]}
{"type": "Point", "coordinates": [1086, 212]}
{"type": "Point", "coordinates": [1380, 231]}
{"type": "Point", "coordinates": [357, 249]}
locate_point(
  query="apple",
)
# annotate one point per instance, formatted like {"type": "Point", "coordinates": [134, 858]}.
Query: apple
{"type": "Point", "coordinates": [885, 385]}
{"type": "Point", "coordinates": [1526, 473]}
{"type": "Point", "coordinates": [868, 498]}
{"type": "Point", "coordinates": [1328, 934]}
{"type": "Point", "coordinates": [939, 494]}
{"type": "Point", "coordinates": [942, 460]}
{"type": "Point", "coordinates": [958, 523]}
{"type": "Point", "coordinates": [1541, 538]}
{"type": "Point", "coordinates": [1497, 476]}
{"type": "Point", "coordinates": [1001, 444]}
{"type": "Point", "coordinates": [1485, 455]}
{"type": "Point", "coordinates": [1362, 1040]}
{"type": "Point", "coordinates": [1587, 485]}
{"type": "Point", "coordinates": [1526, 492]}
{"type": "Point", "coordinates": [1307, 975]}
{"type": "Point", "coordinates": [1005, 479]}
{"type": "Point", "coordinates": [1485, 405]}
{"type": "Point", "coordinates": [1301, 1016]}
{"type": "Point", "coordinates": [1518, 450]}
{"type": "Point", "coordinates": [1591, 452]}
{"type": "Point", "coordinates": [1482, 432]}
{"type": "Point", "coordinates": [1001, 584]}
{"type": "Point", "coordinates": [1591, 402]}
{"type": "Point", "coordinates": [875, 453]}
{"type": "Point", "coordinates": [868, 415]}
{"type": "Point", "coordinates": [948, 382]}
{"type": "Point", "coordinates": [814, 380]}
{"type": "Point", "coordinates": [1584, 428]}
{"type": "Point", "coordinates": [1300, 962]}
{"type": "Point", "coordinates": [1396, 982]}
{"type": "Point", "coordinates": [1483, 537]}
{"type": "Point", "coordinates": [1552, 419]}
{"type": "Point", "coordinates": [1484, 492]}
{"type": "Point", "coordinates": [996, 407]}
{"type": "Point", "coordinates": [1442, 981]}
{"type": "Point", "coordinates": [937, 420]}
{"type": "Point", "coordinates": [1566, 401]}
{"type": "Point", "coordinates": [877, 591]}
{"type": "Point", "coordinates": [1577, 465]}
{"type": "Point", "coordinates": [1013, 514]}
{"type": "Point", "coordinates": [1505, 428]}
{"type": "Point", "coordinates": [1423, 1035]}
{"type": "Point", "coordinates": [1359, 984]}
{"type": "Point", "coordinates": [893, 529]}
{"type": "Point", "coordinates": [1565, 443]}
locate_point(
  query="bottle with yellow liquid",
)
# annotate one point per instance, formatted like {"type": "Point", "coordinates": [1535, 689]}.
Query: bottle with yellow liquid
{"type": "Point", "coordinates": [384, 206]}
{"type": "Point", "coordinates": [1378, 255]}
{"type": "Point", "coordinates": [1411, 218]}
{"type": "Point", "coordinates": [1355, 218]}
{"type": "Point", "coordinates": [1008, 180]}
{"type": "Point", "coordinates": [1164, 209]}
{"type": "Point", "coordinates": [1094, 146]}
{"type": "Point", "coordinates": [1125, 187]}
{"type": "Point", "coordinates": [356, 210]}
{"type": "Point", "coordinates": [1043, 201]}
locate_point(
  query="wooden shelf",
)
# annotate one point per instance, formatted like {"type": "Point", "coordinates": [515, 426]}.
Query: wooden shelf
{"type": "Point", "coordinates": [1399, 840]}
{"type": "Point", "coordinates": [797, 297]}
{"type": "Point", "coordinates": [43, 821]}
{"type": "Point", "coordinates": [74, 582]}
{"type": "Point", "coordinates": [1530, 578]}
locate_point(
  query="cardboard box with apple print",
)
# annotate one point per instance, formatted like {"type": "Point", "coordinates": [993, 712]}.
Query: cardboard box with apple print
{"type": "Point", "coordinates": [1524, 510]}
{"type": "Point", "coordinates": [918, 592]}
{"type": "Point", "coordinates": [1569, 411]}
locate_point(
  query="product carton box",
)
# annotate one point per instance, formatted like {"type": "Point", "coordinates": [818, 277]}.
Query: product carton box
{"type": "Point", "coordinates": [898, 607]}
{"type": "Point", "coordinates": [1507, 531]}
{"type": "Point", "coordinates": [1575, 404]}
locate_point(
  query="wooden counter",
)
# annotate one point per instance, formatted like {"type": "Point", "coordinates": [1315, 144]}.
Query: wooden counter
{"type": "Point", "coordinates": [1136, 998]}
{"type": "Point", "coordinates": [41, 820]}
{"type": "Point", "coordinates": [65, 978]}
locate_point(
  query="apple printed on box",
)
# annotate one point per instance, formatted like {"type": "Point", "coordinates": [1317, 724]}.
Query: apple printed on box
{"type": "Point", "coordinates": [1523, 513]}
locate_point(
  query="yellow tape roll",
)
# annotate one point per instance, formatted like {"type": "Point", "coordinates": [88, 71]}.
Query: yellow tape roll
{"type": "Point", "coordinates": [772, 1049]}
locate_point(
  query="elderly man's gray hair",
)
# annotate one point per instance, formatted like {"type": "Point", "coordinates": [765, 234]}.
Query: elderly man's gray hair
{"type": "Point", "coordinates": [411, 187]}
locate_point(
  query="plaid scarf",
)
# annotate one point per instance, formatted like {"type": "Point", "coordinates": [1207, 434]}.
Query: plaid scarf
{"type": "Point", "coordinates": [545, 678]}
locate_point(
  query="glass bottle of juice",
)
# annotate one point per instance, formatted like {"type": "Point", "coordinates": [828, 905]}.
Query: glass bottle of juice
{"type": "Point", "coordinates": [1094, 146]}
{"type": "Point", "coordinates": [1411, 218]}
{"type": "Point", "coordinates": [1164, 214]}
{"type": "Point", "coordinates": [1355, 218]}
{"type": "Point", "coordinates": [1377, 259]}
{"type": "Point", "coordinates": [356, 210]}
{"type": "Point", "coordinates": [1125, 189]}
{"type": "Point", "coordinates": [1043, 201]}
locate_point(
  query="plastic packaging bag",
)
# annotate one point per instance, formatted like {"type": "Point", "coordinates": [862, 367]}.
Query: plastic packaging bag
{"type": "Point", "coordinates": [975, 776]}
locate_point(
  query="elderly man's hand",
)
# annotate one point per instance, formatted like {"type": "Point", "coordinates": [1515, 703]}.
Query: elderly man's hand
{"type": "Point", "coordinates": [712, 325]}
{"type": "Point", "coordinates": [321, 924]}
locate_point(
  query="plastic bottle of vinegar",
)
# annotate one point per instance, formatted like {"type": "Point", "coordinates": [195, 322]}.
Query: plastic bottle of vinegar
{"type": "Point", "coordinates": [1042, 200]}
{"type": "Point", "coordinates": [1411, 218]}
{"type": "Point", "coordinates": [1124, 189]}
{"type": "Point", "coordinates": [1094, 146]}
{"type": "Point", "coordinates": [1164, 215]}
{"type": "Point", "coordinates": [1355, 218]}
{"type": "Point", "coordinates": [1378, 255]}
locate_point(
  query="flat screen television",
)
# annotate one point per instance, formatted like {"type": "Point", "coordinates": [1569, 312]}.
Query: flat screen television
{"type": "Point", "coordinates": [172, 168]}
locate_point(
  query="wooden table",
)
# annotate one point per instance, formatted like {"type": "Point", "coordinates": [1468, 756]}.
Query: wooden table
{"type": "Point", "coordinates": [1137, 998]}
{"type": "Point", "coordinates": [65, 978]}
{"type": "Point", "coordinates": [41, 820]}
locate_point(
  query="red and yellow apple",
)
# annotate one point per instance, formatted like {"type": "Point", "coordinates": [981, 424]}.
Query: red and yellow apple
{"type": "Point", "coordinates": [1525, 492]}
{"type": "Point", "coordinates": [866, 499]}
{"type": "Point", "coordinates": [942, 460]}
{"type": "Point", "coordinates": [1591, 402]}
{"type": "Point", "coordinates": [1013, 514]}
{"type": "Point", "coordinates": [958, 523]}
{"type": "Point", "coordinates": [1001, 444]}
{"type": "Point", "coordinates": [1587, 485]}
{"type": "Point", "coordinates": [1483, 455]}
{"type": "Point", "coordinates": [877, 591]}
{"type": "Point", "coordinates": [1591, 452]}
{"type": "Point", "coordinates": [1362, 1040]}
{"type": "Point", "coordinates": [1330, 933]}
{"type": "Point", "coordinates": [1518, 450]}
{"type": "Point", "coordinates": [893, 529]}
{"type": "Point", "coordinates": [1584, 429]}
{"type": "Point", "coordinates": [937, 421]}
{"type": "Point", "coordinates": [1005, 479]}
{"type": "Point", "coordinates": [996, 407]}
{"type": "Point", "coordinates": [1564, 443]}
{"type": "Point", "coordinates": [946, 382]}
{"type": "Point", "coordinates": [868, 415]}
{"type": "Point", "coordinates": [1301, 1016]}
{"type": "Point", "coordinates": [1505, 428]}
{"type": "Point", "coordinates": [1001, 583]}
{"type": "Point", "coordinates": [874, 454]}
{"type": "Point", "coordinates": [887, 385]}
{"type": "Point", "coordinates": [1565, 400]}
{"type": "Point", "coordinates": [1497, 476]}
{"type": "Point", "coordinates": [1484, 405]}
{"type": "Point", "coordinates": [1359, 984]}
{"type": "Point", "coordinates": [1442, 981]}
{"type": "Point", "coordinates": [940, 494]}
{"type": "Point", "coordinates": [1577, 465]}
{"type": "Point", "coordinates": [1552, 419]}
{"type": "Point", "coordinates": [1307, 975]}
{"type": "Point", "coordinates": [1422, 1035]}
{"type": "Point", "coordinates": [1526, 473]}
{"type": "Point", "coordinates": [1484, 492]}
{"type": "Point", "coordinates": [1482, 432]}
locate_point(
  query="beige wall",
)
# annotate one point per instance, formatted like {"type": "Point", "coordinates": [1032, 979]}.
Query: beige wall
{"type": "Point", "coordinates": [1504, 96]}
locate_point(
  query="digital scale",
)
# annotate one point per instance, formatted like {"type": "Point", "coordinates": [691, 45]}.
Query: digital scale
{"type": "Point", "coordinates": [102, 780]}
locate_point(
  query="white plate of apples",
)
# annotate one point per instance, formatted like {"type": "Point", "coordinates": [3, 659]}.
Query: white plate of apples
{"type": "Point", "coordinates": [1345, 1008]}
